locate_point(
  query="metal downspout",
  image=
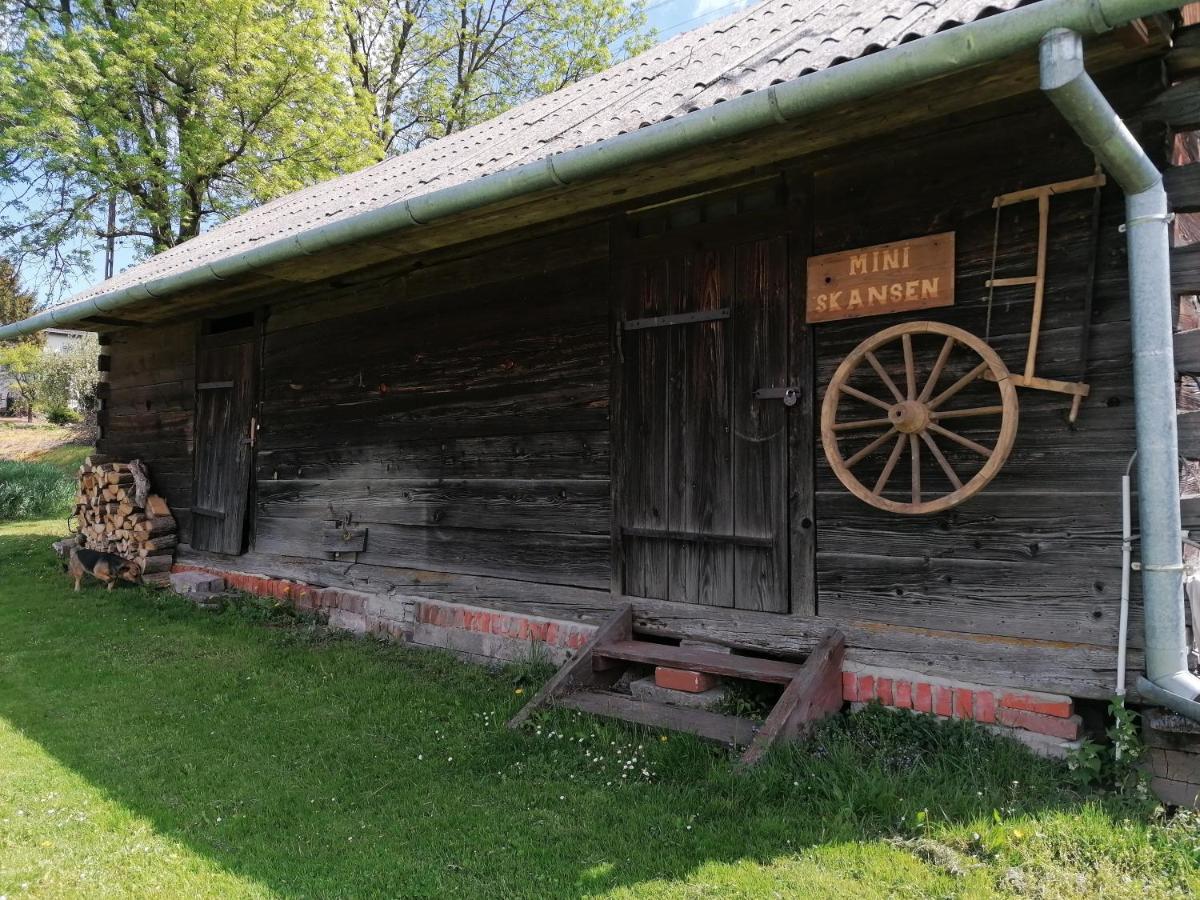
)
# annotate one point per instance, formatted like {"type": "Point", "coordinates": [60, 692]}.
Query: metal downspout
{"type": "Point", "coordinates": [975, 43]}
{"type": "Point", "coordinates": [1072, 90]}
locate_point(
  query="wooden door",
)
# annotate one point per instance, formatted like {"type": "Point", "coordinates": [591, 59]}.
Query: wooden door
{"type": "Point", "coordinates": [226, 394]}
{"type": "Point", "coordinates": [702, 469]}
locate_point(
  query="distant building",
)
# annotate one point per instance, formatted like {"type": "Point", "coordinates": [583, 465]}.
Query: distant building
{"type": "Point", "coordinates": [59, 340]}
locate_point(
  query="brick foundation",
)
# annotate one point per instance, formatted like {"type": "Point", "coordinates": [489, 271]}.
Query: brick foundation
{"type": "Point", "coordinates": [481, 635]}
{"type": "Point", "coordinates": [1046, 722]}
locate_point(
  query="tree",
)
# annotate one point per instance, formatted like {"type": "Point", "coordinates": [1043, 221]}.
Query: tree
{"type": "Point", "coordinates": [16, 303]}
{"type": "Point", "coordinates": [71, 375]}
{"type": "Point", "coordinates": [26, 365]}
{"type": "Point", "coordinates": [178, 111]}
{"type": "Point", "coordinates": [427, 68]}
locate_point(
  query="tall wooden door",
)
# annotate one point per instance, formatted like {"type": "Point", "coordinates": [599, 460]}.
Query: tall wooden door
{"type": "Point", "coordinates": [226, 394]}
{"type": "Point", "coordinates": [702, 427]}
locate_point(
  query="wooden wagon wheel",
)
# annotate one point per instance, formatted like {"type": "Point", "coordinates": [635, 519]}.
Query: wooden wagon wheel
{"type": "Point", "coordinates": [917, 416]}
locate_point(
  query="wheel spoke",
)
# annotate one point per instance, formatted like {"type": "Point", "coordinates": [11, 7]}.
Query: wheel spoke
{"type": "Point", "coordinates": [968, 413]}
{"type": "Point", "coordinates": [910, 367]}
{"type": "Point", "coordinates": [941, 459]}
{"type": "Point", "coordinates": [914, 449]}
{"type": "Point", "coordinates": [959, 439]}
{"type": "Point", "coordinates": [865, 397]}
{"type": "Point", "coordinates": [884, 376]}
{"type": "Point", "coordinates": [870, 448]}
{"type": "Point", "coordinates": [864, 424]}
{"type": "Point", "coordinates": [958, 386]}
{"type": "Point", "coordinates": [891, 464]}
{"type": "Point", "coordinates": [936, 372]}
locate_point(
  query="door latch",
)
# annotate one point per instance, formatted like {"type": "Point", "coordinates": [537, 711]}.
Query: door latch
{"type": "Point", "coordinates": [789, 395]}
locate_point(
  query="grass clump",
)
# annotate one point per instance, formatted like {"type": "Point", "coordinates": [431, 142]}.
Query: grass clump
{"type": "Point", "coordinates": [34, 490]}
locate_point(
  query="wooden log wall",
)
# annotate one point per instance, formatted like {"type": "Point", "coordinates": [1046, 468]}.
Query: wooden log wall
{"type": "Point", "coordinates": [463, 430]}
{"type": "Point", "coordinates": [1037, 554]}
{"type": "Point", "coordinates": [148, 399]}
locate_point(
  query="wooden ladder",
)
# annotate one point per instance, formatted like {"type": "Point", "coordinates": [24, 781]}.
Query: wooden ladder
{"type": "Point", "coordinates": [812, 689]}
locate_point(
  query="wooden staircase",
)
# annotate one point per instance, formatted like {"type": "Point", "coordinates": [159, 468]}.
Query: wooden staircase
{"type": "Point", "coordinates": [812, 690]}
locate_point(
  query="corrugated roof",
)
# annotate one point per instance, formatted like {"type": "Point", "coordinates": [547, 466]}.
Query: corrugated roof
{"type": "Point", "coordinates": [772, 42]}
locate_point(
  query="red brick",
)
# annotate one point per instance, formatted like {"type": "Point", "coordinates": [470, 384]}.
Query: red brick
{"type": "Point", "coordinates": [1055, 726]}
{"type": "Point", "coordinates": [849, 686]}
{"type": "Point", "coordinates": [943, 700]}
{"type": "Point", "coordinates": [904, 698]}
{"type": "Point", "coordinates": [924, 698]}
{"type": "Point", "coordinates": [685, 680]}
{"type": "Point", "coordinates": [963, 703]}
{"type": "Point", "coordinates": [883, 690]}
{"type": "Point", "coordinates": [1060, 708]}
{"type": "Point", "coordinates": [985, 707]}
{"type": "Point", "coordinates": [866, 688]}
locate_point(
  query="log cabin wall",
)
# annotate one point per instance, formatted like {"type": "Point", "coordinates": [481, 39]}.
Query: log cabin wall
{"type": "Point", "coordinates": [149, 396]}
{"type": "Point", "coordinates": [465, 429]}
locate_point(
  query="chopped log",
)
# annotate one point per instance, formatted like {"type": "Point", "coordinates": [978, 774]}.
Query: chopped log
{"type": "Point", "coordinates": [166, 542]}
{"type": "Point", "coordinates": [157, 506]}
{"type": "Point", "coordinates": [156, 526]}
{"type": "Point", "coordinates": [161, 563]}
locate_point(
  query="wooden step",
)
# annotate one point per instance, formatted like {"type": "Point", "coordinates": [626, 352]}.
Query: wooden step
{"type": "Point", "coordinates": [712, 726]}
{"type": "Point", "coordinates": [727, 664]}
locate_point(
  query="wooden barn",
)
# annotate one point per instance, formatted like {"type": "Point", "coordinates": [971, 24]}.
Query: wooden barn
{"type": "Point", "coordinates": [810, 330]}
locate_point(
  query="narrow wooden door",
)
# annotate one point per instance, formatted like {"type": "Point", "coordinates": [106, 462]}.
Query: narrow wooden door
{"type": "Point", "coordinates": [702, 463]}
{"type": "Point", "coordinates": [226, 392]}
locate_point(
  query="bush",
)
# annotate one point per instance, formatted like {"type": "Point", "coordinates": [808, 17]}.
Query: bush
{"type": "Point", "coordinates": [34, 491]}
{"type": "Point", "coordinates": [58, 414]}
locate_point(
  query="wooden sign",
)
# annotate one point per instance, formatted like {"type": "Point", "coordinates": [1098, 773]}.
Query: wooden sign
{"type": "Point", "coordinates": [886, 278]}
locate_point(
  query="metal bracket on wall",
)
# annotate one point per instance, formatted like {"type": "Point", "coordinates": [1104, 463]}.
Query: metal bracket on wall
{"type": "Point", "coordinates": [708, 315]}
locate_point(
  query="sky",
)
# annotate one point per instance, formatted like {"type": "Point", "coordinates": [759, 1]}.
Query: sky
{"type": "Point", "coordinates": [667, 17]}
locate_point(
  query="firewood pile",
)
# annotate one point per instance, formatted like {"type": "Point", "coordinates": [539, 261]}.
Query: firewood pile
{"type": "Point", "coordinates": [116, 513]}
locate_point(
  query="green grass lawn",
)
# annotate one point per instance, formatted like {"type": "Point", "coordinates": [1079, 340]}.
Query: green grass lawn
{"type": "Point", "coordinates": [149, 749]}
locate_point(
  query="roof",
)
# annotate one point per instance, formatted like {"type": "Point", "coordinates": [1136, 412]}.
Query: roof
{"type": "Point", "coordinates": [747, 51]}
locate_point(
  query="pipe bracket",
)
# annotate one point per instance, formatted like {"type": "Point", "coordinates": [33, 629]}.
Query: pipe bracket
{"type": "Point", "coordinates": [1138, 220]}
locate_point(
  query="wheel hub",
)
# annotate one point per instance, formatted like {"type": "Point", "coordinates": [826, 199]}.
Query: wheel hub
{"type": "Point", "coordinates": [909, 416]}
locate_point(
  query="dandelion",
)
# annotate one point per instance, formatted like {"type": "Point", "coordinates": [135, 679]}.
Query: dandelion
{"type": "Point", "coordinates": [662, 738]}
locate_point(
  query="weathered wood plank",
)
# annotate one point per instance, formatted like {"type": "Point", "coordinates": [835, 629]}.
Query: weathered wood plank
{"type": "Point", "coordinates": [1178, 106]}
{"type": "Point", "coordinates": [580, 506]}
{"type": "Point", "coordinates": [550, 454]}
{"type": "Point", "coordinates": [1185, 269]}
{"type": "Point", "coordinates": [1189, 434]}
{"type": "Point", "coordinates": [814, 693]}
{"type": "Point", "coordinates": [570, 559]}
{"type": "Point", "coordinates": [709, 725]}
{"type": "Point", "coordinates": [1183, 187]}
{"type": "Point", "coordinates": [1187, 352]}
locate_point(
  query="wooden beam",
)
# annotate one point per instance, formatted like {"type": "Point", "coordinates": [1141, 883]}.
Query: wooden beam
{"type": "Point", "coordinates": [1189, 435]}
{"type": "Point", "coordinates": [1187, 352]}
{"type": "Point", "coordinates": [1183, 59]}
{"type": "Point", "coordinates": [709, 725]}
{"type": "Point", "coordinates": [578, 671]}
{"type": "Point", "coordinates": [1183, 187]}
{"type": "Point", "coordinates": [1185, 269]}
{"type": "Point", "coordinates": [1178, 107]}
{"type": "Point", "coordinates": [814, 694]}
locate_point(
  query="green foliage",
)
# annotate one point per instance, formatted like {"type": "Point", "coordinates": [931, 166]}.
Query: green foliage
{"type": "Point", "coordinates": [33, 490]}
{"type": "Point", "coordinates": [57, 414]}
{"type": "Point", "coordinates": [179, 113]}
{"type": "Point", "coordinates": [52, 381]}
{"type": "Point", "coordinates": [154, 750]}
{"type": "Point", "coordinates": [748, 699]}
{"type": "Point", "coordinates": [16, 303]}
{"type": "Point", "coordinates": [181, 110]}
{"type": "Point", "coordinates": [1113, 765]}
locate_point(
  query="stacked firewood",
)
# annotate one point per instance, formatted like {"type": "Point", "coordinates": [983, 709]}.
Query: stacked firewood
{"type": "Point", "coordinates": [116, 513]}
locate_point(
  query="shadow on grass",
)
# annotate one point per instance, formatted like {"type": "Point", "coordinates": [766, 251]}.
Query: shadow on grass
{"type": "Point", "coordinates": [340, 768]}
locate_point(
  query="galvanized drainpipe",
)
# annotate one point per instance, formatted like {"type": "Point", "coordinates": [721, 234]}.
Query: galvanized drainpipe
{"type": "Point", "coordinates": [986, 40]}
{"type": "Point", "coordinates": [1070, 88]}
